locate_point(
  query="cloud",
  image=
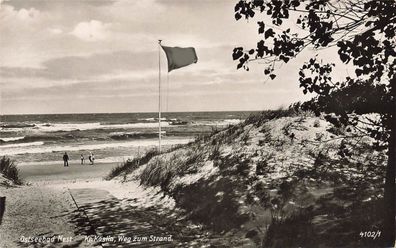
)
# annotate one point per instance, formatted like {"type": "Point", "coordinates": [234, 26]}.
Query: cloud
{"type": "Point", "coordinates": [87, 67]}
{"type": "Point", "coordinates": [91, 31]}
{"type": "Point", "coordinates": [119, 64]}
{"type": "Point", "coordinates": [57, 4]}
{"type": "Point", "coordinates": [104, 49]}
{"type": "Point", "coordinates": [55, 30]}
{"type": "Point", "coordinates": [30, 14]}
{"type": "Point", "coordinates": [10, 14]}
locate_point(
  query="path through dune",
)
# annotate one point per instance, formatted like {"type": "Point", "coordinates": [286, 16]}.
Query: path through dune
{"type": "Point", "coordinates": [75, 207]}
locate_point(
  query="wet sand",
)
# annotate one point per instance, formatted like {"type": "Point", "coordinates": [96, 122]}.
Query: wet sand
{"type": "Point", "coordinates": [41, 172]}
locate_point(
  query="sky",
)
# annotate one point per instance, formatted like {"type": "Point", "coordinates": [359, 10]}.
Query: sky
{"type": "Point", "coordinates": [101, 56]}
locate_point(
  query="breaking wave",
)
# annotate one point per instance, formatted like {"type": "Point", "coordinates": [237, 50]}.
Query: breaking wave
{"type": "Point", "coordinates": [29, 148]}
{"type": "Point", "coordinates": [10, 139]}
{"type": "Point", "coordinates": [67, 127]}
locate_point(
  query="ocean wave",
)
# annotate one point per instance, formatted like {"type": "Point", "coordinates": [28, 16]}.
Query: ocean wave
{"type": "Point", "coordinates": [135, 125]}
{"type": "Point", "coordinates": [9, 139]}
{"type": "Point", "coordinates": [4, 148]}
{"type": "Point", "coordinates": [16, 149]}
{"type": "Point", "coordinates": [16, 126]}
{"type": "Point", "coordinates": [33, 138]}
{"type": "Point", "coordinates": [55, 127]}
{"type": "Point", "coordinates": [151, 119]}
{"type": "Point", "coordinates": [218, 123]}
{"type": "Point", "coordinates": [133, 135]}
{"type": "Point", "coordinates": [67, 127]}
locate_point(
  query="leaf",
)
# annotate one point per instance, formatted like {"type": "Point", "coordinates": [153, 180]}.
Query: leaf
{"type": "Point", "coordinates": [269, 33]}
{"type": "Point", "coordinates": [238, 5]}
{"type": "Point", "coordinates": [272, 76]}
{"type": "Point", "coordinates": [261, 27]}
{"type": "Point", "coordinates": [258, 2]}
{"type": "Point", "coordinates": [284, 58]}
{"type": "Point", "coordinates": [344, 58]}
{"type": "Point", "coordinates": [295, 3]}
{"type": "Point", "coordinates": [251, 13]}
{"type": "Point", "coordinates": [267, 71]}
{"type": "Point", "coordinates": [237, 53]}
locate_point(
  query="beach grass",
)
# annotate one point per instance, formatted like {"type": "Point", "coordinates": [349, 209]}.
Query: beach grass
{"type": "Point", "coordinates": [9, 169]}
{"type": "Point", "coordinates": [277, 171]}
{"type": "Point", "coordinates": [163, 170]}
{"type": "Point", "coordinates": [129, 165]}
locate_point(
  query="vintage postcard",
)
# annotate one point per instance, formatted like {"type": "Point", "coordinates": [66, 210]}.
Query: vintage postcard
{"type": "Point", "coordinates": [206, 123]}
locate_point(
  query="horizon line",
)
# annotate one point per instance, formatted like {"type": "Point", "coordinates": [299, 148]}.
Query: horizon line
{"type": "Point", "coordinates": [82, 113]}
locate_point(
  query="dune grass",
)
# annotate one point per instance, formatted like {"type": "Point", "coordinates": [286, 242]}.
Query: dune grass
{"type": "Point", "coordinates": [259, 119]}
{"type": "Point", "coordinates": [162, 171]}
{"type": "Point", "coordinates": [131, 165]}
{"type": "Point", "coordinates": [9, 169]}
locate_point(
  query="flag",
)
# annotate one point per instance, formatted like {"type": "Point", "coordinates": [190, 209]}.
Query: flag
{"type": "Point", "coordinates": [179, 57]}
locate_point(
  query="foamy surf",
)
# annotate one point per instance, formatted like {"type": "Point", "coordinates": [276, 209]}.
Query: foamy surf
{"type": "Point", "coordinates": [93, 126]}
{"type": "Point", "coordinates": [16, 146]}
{"type": "Point", "coordinates": [219, 123]}
{"type": "Point", "coordinates": [12, 138]}
{"type": "Point", "coordinates": [67, 127]}
{"type": "Point", "coordinates": [44, 138]}
{"type": "Point", "coordinates": [30, 148]}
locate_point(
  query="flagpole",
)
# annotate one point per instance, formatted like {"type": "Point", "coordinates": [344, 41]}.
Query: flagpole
{"type": "Point", "coordinates": [159, 95]}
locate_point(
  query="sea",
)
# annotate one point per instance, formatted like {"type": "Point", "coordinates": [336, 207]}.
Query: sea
{"type": "Point", "coordinates": [111, 137]}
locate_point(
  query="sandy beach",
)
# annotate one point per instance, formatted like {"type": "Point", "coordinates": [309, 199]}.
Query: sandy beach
{"type": "Point", "coordinates": [36, 173]}
{"type": "Point", "coordinates": [76, 208]}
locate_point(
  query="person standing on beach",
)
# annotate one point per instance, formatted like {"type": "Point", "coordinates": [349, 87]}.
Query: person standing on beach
{"type": "Point", "coordinates": [82, 159]}
{"type": "Point", "coordinates": [65, 160]}
{"type": "Point", "coordinates": [93, 159]}
{"type": "Point", "coordinates": [90, 158]}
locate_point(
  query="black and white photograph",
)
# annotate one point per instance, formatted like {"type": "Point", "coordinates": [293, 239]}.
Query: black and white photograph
{"type": "Point", "coordinates": [197, 123]}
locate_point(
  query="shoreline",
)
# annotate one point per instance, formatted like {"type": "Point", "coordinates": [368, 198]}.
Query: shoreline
{"type": "Point", "coordinates": [57, 172]}
{"type": "Point", "coordinates": [41, 148]}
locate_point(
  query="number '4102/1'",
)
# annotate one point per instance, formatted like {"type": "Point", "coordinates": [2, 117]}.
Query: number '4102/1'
{"type": "Point", "coordinates": [370, 234]}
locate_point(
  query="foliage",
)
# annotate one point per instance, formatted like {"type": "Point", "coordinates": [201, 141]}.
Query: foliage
{"type": "Point", "coordinates": [364, 33]}
{"type": "Point", "coordinates": [328, 23]}
{"type": "Point", "coordinates": [9, 169]}
{"type": "Point", "coordinates": [215, 153]}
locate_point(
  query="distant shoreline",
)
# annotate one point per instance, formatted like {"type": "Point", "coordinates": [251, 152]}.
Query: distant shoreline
{"type": "Point", "coordinates": [136, 112]}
